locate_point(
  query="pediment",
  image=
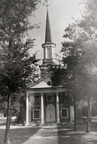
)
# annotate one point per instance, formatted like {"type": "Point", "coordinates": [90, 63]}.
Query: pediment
{"type": "Point", "coordinates": [42, 83]}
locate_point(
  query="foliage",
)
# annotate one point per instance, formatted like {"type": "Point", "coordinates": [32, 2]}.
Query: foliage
{"type": "Point", "coordinates": [69, 75]}
{"type": "Point", "coordinates": [79, 57]}
{"type": "Point", "coordinates": [17, 65]}
{"type": "Point", "coordinates": [79, 48]}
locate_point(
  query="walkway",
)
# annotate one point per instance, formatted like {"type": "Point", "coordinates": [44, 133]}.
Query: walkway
{"type": "Point", "coordinates": [52, 135]}
{"type": "Point", "coordinates": [46, 135]}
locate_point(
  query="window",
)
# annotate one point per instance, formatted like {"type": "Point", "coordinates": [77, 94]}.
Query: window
{"type": "Point", "coordinates": [64, 113]}
{"type": "Point", "coordinates": [36, 114]}
{"type": "Point", "coordinates": [50, 98]}
{"type": "Point", "coordinates": [37, 99]}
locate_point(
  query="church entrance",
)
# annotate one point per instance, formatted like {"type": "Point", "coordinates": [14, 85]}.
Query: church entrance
{"type": "Point", "coordinates": [50, 113]}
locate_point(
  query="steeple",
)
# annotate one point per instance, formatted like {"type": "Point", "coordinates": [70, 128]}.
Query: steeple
{"type": "Point", "coordinates": [48, 38]}
{"type": "Point", "coordinates": [48, 46]}
{"type": "Point", "coordinates": [48, 49]}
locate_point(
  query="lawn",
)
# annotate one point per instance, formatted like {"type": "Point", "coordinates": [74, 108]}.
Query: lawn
{"type": "Point", "coordinates": [19, 135]}
{"type": "Point", "coordinates": [68, 136]}
{"type": "Point", "coordinates": [62, 135]}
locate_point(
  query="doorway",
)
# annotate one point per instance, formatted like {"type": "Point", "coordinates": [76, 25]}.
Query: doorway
{"type": "Point", "coordinates": [50, 113]}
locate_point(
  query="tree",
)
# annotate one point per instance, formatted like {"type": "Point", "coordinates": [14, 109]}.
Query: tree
{"type": "Point", "coordinates": [82, 37]}
{"type": "Point", "coordinates": [16, 64]}
{"type": "Point", "coordinates": [79, 74]}
{"type": "Point", "coordinates": [69, 76]}
{"type": "Point", "coordinates": [89, 26]}
{"type": "Point", "coordinates": [72, 56]}
{"type": "Point", "coordinates": [81, 64]}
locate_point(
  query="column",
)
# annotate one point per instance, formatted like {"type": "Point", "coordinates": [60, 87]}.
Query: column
{"type": "Point", "coordinates": [42, 109]}
{"type": "Point", "coordinates": [71, 114]}
{"type": "Point", "coordinates": [27, 110]}
{"type": "Point", "coordinates": [57, 106]}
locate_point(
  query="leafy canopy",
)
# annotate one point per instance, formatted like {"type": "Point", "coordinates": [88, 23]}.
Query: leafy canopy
{"type": "Point", "coordinates": [16, 64]}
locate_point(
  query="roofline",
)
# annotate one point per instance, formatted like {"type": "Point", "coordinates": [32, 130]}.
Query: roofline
{"type": "Point", "coordinates": [41, 79]}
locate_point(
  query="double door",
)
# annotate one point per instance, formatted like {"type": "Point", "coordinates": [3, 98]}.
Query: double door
{"type": "Point", "coordinates": [50, 113]}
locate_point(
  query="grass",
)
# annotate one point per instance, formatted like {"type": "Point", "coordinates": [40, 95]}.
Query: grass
{"type": "Point", "coordinates": [64, 135]}
{"type": "Point", "coordinates": [78, 137]}
{"type": "Point", "coordinates": [18, 136]}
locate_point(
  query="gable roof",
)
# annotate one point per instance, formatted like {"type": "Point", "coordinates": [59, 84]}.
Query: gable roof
{"type": "Point", "coordinates": [41, 83]}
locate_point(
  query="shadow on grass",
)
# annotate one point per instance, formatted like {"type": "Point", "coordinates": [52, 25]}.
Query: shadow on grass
{"type": "Point", "coordinates": [19, 135]}
{"type": "Point", "coordinates": [66, 135]}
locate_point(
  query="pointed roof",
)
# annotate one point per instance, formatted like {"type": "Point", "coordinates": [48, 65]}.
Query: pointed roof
{"type": "Point", "coordinates": [48, 38]}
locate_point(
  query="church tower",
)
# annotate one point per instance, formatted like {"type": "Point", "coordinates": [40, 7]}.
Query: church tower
{"type": "Point", "coordinates": [48, 46]}
{"type": "Point", "coordinates": [48, 50]}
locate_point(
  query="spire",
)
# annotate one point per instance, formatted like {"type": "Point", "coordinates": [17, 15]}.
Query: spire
{"type": "Point", "coordinates": [48, 46]}
{"type": "Point", "coordinates": [48, 31]}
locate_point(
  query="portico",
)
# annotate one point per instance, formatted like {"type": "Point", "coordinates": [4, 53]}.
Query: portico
{"type": "Point", "coordinates": [49, 106]}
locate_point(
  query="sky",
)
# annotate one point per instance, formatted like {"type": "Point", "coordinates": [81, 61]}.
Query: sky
{"type": "Point", "coordinates": [61, 13]}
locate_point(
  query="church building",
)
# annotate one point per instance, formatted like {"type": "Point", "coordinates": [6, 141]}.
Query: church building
{"type": "Point", "coordinates": [43, 103]}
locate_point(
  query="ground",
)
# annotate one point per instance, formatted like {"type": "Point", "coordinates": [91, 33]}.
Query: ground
{"type": "Point", "coordinates": [52, 135]}
{"type": "Point", "coordinates": [18, 135]}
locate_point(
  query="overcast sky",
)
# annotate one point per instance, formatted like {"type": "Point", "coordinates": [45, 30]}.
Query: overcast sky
{"type": "Point", "coordinates": [61, 13]}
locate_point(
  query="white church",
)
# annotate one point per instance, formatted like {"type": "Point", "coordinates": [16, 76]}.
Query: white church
{"type": "Point", "coordinates": [43, 103]}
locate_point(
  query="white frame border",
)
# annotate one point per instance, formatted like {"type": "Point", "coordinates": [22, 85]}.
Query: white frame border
{"type": "Point", "coordinates": [33, 113]}
{"type": "Point", "coordinates": [67, 112]}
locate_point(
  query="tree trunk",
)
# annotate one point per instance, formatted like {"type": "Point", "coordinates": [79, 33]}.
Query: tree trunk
{"type": "Point", "coordinates": [88, 116]}
{"type": "Point", "coordinates": [6, 138]}
{"type": "Point", "coordinates": [75, 126]}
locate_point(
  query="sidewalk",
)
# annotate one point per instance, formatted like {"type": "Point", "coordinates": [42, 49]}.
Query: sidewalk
{"type": "Point", "coordinates": [51, 134]}
{"type": "Point", "coordinates": [63, 135]}
{"type": "Point", "coordinates": [46, 135]}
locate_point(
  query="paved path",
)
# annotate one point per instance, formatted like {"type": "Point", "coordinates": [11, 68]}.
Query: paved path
{"type": "Point", "coordinates": [46, 135]}
{"type": "Point", "coordinates": [52, 135]}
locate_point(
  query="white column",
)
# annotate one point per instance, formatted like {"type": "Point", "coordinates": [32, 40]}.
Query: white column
{"type": "Point", "coordinates": [57, 106]}
{"type": "Point", "coordinates": [42, 109]}
{"type": "Point", "coordinates": [71, 114]}
{"type": "Point", "coordinates": [27, 110]}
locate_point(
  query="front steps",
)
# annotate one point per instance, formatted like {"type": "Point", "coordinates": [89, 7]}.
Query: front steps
{"type": "Point", "coordinates": [50, 125]}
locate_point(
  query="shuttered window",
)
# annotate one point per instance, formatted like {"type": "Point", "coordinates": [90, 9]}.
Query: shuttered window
{"type": "Point", "coordinates": [36, 114]}
{"type": "Point", "coordinates": [64, 113]}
